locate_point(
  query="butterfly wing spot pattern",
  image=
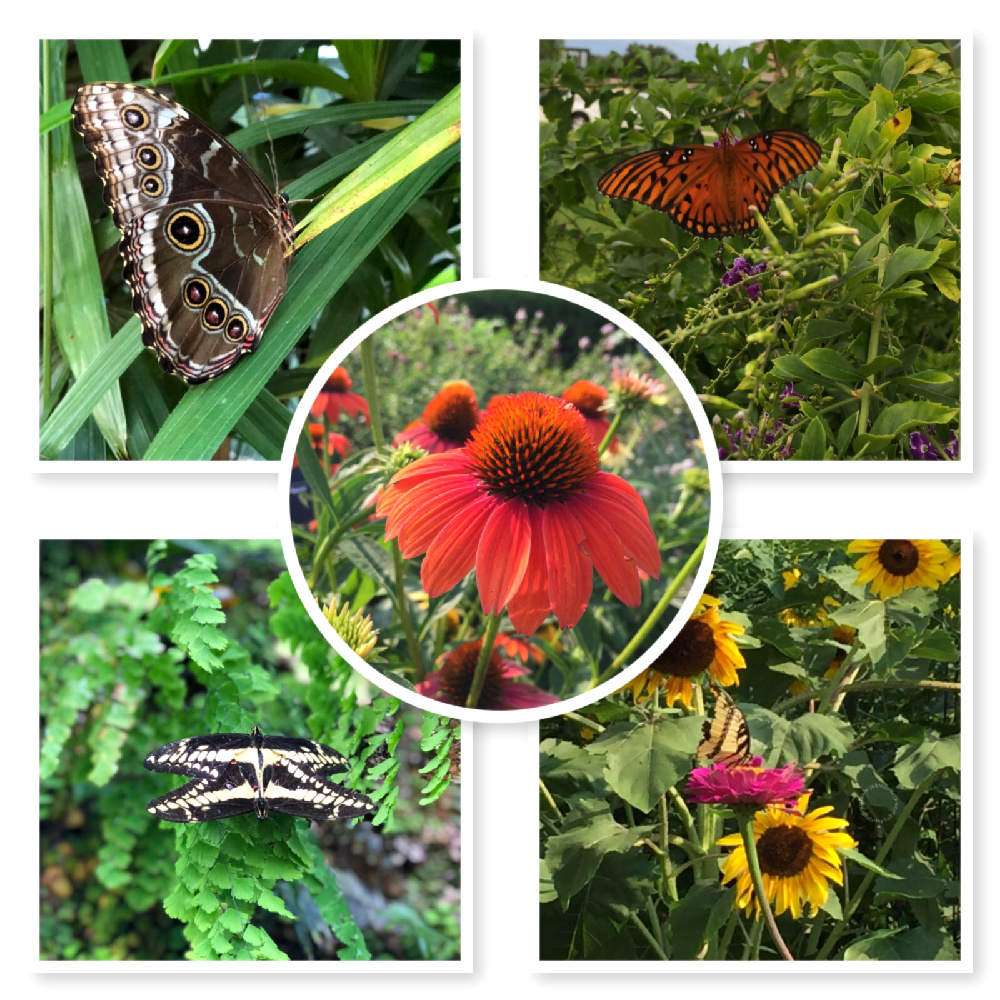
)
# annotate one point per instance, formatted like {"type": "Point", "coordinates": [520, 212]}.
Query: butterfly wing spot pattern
{"type": "Point", "coordinates": [204, 240]}
{"type": "Point", "coordinates": [708, 190]}
{"type": "Point", "coordinates": [726, 736]}
{"type": "Point", "coordinates": [236, 774]}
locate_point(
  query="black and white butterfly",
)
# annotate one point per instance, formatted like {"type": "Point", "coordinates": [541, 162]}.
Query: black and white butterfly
{"type": "Point", "coordinates": [235, 773]}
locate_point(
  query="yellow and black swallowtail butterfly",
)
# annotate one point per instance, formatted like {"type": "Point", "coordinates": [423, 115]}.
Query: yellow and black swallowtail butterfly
{"type": "Point", "coordinates": [726, 736]}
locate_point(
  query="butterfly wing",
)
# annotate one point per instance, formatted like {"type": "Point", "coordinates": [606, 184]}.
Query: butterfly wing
{"type": "Point", "coordinates": [708, 190]}
{"type": "Point", "coordinates": [297, 791]}
{"type": "Point", "coordinates": [206, 799]}
{"type": "Point", "coordinates": [760, 166]}
{"type": "Point", "coordinates": [204, 240]}
{"type": "Point", "coordinates": [726, 736]}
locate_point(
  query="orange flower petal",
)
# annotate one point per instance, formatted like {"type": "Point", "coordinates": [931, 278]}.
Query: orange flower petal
{"type": "Point", "coordinates": [503, 554]}
{"type": "Point", "coordinates": [570, 572]}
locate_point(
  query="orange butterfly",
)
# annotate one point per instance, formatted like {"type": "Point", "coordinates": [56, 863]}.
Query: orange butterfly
{"type": "Point", "coordinates": [708, 190]}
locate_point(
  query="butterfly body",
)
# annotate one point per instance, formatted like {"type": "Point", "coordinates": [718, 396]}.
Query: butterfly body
{"type": "Point", "coordinates": [205, 242]}
{"type": "Point", "coordinates": [726, 736]}
{"type": "Point", "coordinates": [708, 190]}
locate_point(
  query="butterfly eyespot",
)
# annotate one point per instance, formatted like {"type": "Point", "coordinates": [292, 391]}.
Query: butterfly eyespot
{"type": "Point", "coordinates": [152, 185]}
{"type": "Point", "coordinates": [185, 230]}
{"type": "Point", "coordinates": [196, 292]}
{"type": "Point", "coordinates": [236, 329]}
{"type": "Point", "coordinates": [149, 157]}
{"type": "Point", "coordinates": [214, 314]}
{"type": "Point", "coordinates": [135, 118]}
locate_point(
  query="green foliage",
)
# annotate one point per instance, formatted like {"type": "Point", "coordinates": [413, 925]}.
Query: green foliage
{"type": "Point", "coordinates": [859, 298]}
{"type": "Point", "coordinates": [629, 870]}
{"type": "Point", "coordinates": [657, 451]}
{"type": "Point", "coordinates": [127, 665]}
{"type": "Point", "coordinates": [302, 116]}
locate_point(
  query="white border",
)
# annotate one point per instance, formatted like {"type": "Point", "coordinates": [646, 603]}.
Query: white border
{"type": "Point", "coordinates": [253, 466]}
{"type": "Point", "coordinates": [697, 585]}
{"type": "Point", "coordinates": [806, 966]}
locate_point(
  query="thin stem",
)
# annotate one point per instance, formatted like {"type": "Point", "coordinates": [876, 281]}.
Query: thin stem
{"type": "Point", "coordinates": [744, 817]}
{"type": "Point", "coordinates": [489, 638]}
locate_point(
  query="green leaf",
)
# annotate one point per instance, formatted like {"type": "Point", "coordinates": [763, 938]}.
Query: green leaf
{"type": "Point", "coordinates": [643, 761]}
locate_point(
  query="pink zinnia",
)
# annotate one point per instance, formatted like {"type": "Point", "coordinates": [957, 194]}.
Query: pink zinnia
{"type": "Point", "coordinates": [526, 504]}
{"type": "Point", "coordinates": [447, 421]}
{"type": "Point", "coordinates": [588, 398]}
{"type": "Point", "coordinates": [501, 690]}
{"type": "Point", "coordinates": [751, 784]}
{"type": "Point", "coordinates": [337, 396]}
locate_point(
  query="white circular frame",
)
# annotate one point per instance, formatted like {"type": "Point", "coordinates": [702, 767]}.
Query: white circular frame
{"type": "Point", "coordinates": [627, 673]}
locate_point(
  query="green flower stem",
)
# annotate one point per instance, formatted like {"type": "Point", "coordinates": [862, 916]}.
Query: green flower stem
{"type": "Point", "coordinates": [612, 431]}
{"type": "Point", "coordinates": [371, 391]}
{"type": "Point", "coordinates": [404, 614]}
{"type": "Point", "coordinates": [547, 795]}
{"type": "Point", "coordinates": [868, 387]}
{"type": "Point", "coordinates": [666, 869]}
{"type": "Point", "coordinates": [489, 638]}
{"type": "Point", "coordinates": [582, 720]}
{"type": "Point", "coordinates": [319, 560]}
{"type": "Point", "coordinates": [657, 613]}
{"type": "Point", "coordinates": [378, 435]}
{"type": "Point", "coordinates": [744, 818]}
{"type": "Point", "coordinates": [645, 932]}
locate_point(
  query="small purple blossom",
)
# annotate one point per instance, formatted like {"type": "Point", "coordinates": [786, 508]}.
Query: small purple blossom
{"type": "Point", "coordinates": [583, 343]}
{"type": "Point", "coordinates": [925, 447]}
{"type": "Point", "coordinates": [788, 396]}
{"type": "Point", "coordinates": [740, 270]}
{"type": "Point", "coordinates": [521, 315]}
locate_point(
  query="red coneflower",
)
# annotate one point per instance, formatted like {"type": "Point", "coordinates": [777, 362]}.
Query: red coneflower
{"type": "Point", "coordinates": [588, 398]}
{"type": "Point", "coordinates": [447, 421]}
{"type": "Point", "coordinates": [526, 504]}
{"type": "Point", "coordinates": [452, 681]}
{"type": "Point", "coordinates": [337, 396]}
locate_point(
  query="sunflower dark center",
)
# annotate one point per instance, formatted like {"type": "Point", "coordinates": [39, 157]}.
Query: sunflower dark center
{"type": "Point", "coordinates": [534, 448]}
{"type": "Point", "coordinates": [457, 671]}
{"type": "Point", "coordinates": [784, 851]}
{"type": "Point", "coordinates": [453, 412]}
{"type": "Point", "coordinates": [898, 556]}
{"type": "Point", "coordinates": [690, 653]}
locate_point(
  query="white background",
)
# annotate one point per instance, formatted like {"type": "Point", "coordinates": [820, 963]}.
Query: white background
{"type": "Point", "coordinates": [504, 213]}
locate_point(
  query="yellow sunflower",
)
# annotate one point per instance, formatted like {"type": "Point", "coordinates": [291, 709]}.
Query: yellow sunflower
{"type": "Point", "coordinates": [894, 565]}
{"type": "Point", "coordinates": [704, 643]}
{"type": "Point", "coordinates": [798, 858]}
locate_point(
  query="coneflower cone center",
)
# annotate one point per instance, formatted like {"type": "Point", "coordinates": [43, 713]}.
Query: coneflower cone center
{"type": "Point", "coordinates": [534, 448]}
{"type": "Point", "coordinates": [689, 654]}
{"type": "Point", "coordinates": [784, 851]}
{"type": "Point", "coordinates": [457, 671]}
{"type": "Point", "coordinates": [587, 397]}
{"type": "Point", "coordinates": [898, 556]}
{"type": "Point", "coordinates": [453, 413]}
{"type": "Point", "coordinates": [339, 381]}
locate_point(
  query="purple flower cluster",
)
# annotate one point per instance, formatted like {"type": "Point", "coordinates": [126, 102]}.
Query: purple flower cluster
{"type": "Point", "coordinates": [741, 437]}
{"type": "Point", "coordinates": [926, 447]}
{"type": "Point", "coordinates": [739, 271]}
